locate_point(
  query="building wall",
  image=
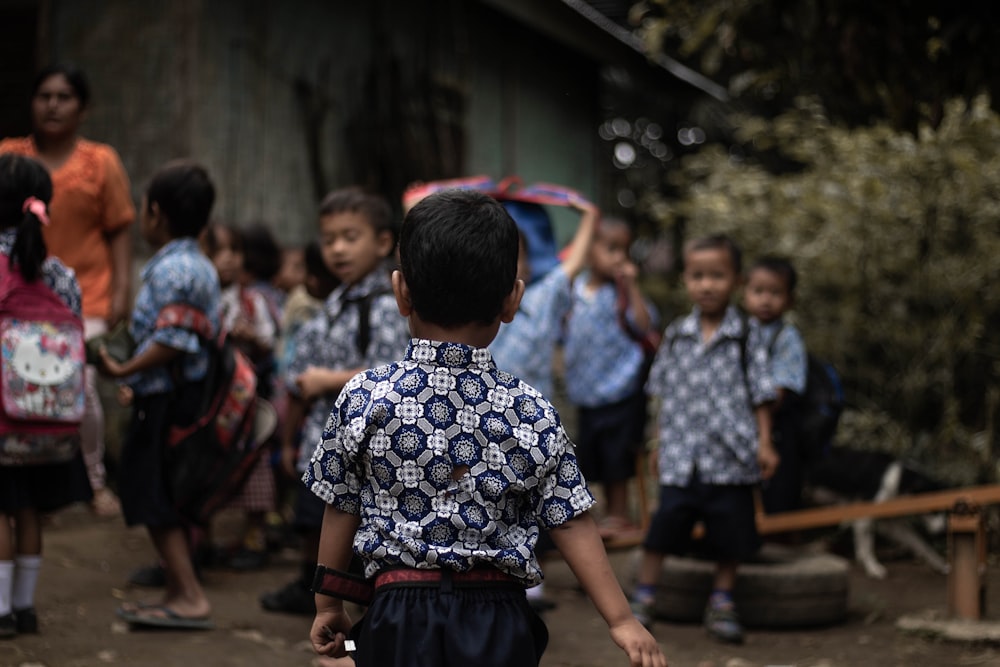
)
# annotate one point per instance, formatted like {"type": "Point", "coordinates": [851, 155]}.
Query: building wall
{"type": "Point", "coordinates": [271, 96]}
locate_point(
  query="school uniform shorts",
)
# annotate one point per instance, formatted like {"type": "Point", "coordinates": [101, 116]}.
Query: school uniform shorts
{"type": "Point", "coordinates": [727, 513]}
{"type": "Point", "coordinates": [608, 438]}
{"type": "Point", "coordinates": [438, 625]}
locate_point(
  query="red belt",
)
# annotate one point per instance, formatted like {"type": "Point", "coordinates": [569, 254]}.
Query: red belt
{"type": "Point", "coordinates": [360, 590]}
{"type": "Point", "coordinates": [410, 575]}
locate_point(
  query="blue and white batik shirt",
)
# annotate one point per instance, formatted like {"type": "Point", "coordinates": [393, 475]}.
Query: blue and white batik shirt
{"type": "Point", "coordinates": [450, 463]}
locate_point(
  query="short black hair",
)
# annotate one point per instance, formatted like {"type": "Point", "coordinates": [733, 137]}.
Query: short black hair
{"type": "Point", "coordinates": [458, 254]}
{"type": "Point", "coordinates": [717, 242]}
{"type": "Point", "coordinates": [185, 194]}
{"type": "Point", "coordinates": [74, 76]}
{"type": "Point", "coordinates": [353, 199]}
{"type": "Point", "coordinates": [780, 266]}
{"type": "Point", "coordinates": [261, 252]}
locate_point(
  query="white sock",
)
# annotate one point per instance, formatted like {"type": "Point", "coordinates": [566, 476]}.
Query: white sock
{"type": "Point", "coordinates": [25, 580]}
{"type": "Point", "coordinates": [6, 585]}
{"type": "Point", "coordinates": [536, 592]}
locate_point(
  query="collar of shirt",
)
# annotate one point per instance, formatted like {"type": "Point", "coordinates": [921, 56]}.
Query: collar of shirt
{"type": "Point", "coordinates": [732, 326]}
{"type": "Point", "coordinates": [449, 355]}
{"type": "Point", "coordinates": [176, 247]}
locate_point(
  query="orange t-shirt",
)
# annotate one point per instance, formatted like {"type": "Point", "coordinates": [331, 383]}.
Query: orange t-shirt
{"type": "Point", "coordinates": [91, 197]}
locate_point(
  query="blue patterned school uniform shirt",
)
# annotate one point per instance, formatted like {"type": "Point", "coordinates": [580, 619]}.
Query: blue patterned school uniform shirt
{"type": "Point", "coordinates": [603, 363]}
{"type": "Point", "coordinates": [526, 346]}
{"type": "Point", "coordinates": [706, 420]}
{"type": "Point", "coordinates": [57, 276]}
{"type": "Point", "coordinates": [330, 340]}
{"type": "Point", "coordinates": [450, 463]}
{"type": "Point", "coordinates": [179, 273]}
{"type": "Point", "coordinates": [787, 352]}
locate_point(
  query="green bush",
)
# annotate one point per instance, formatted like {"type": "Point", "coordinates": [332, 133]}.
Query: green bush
{"type": "Point", "coordinates": [897, 241]}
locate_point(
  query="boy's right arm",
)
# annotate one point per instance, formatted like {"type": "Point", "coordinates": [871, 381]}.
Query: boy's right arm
{"type": "Point", "coordinates": [332, 623]}
{"type": "Point", "coordinates": [294, 414]}
{"type": "Point", "coordinates": [580, 545]}
{"type": "Point", "coordinates": [580, 245]}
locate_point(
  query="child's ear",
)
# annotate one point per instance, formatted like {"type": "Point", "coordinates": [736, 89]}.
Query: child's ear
{"type": "Point", "coordinates": [384, 241]}
{"type": "Point", "coordinates": [402, 293]}
{"type": "Point", "coordinates": [512, 301]}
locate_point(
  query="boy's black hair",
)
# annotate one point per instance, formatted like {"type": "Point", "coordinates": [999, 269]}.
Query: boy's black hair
{"type": "Point", "coordinates": [780, 266]}
{"type": "Point", "coordinates": [717, 242]}
{"type": "Point", "coordinates": [74, 76]}
{"type": "Point", "coordinates": [458, 254]}
{"type": "Point", "coordinates": [185, 194]}
{"type": "Point", "coordinates": [261, 252]}
{"type": "Point", "coordinates": [353, 199]}
{"type": "Point", "coordinates": [324, 280]}
{"type": "Point", "coordinates": [209, 240]}
{"type": "Point", "coordinates": [20, 178]}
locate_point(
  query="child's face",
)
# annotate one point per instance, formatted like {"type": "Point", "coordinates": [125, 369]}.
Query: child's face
{"type": "Point", "coordinates": [766, 296]}
{"type": "Point", "coordinates": [710, 279]}
{"type": "Point", "coordinates": [228, 259]}
{"type": "Point", "coordinates": [350, 246]}
{"type": "Point", "coordinates": [152, 224]}
{"type": "Point", "coordinates": [609, 251]}
{"type": "Point", "coordinates": [293, 270]}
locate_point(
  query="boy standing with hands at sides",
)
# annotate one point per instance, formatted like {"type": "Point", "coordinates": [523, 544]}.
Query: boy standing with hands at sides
{"type": "Point", "coordinates": [768, 295]}
{"type": "Point", "coordinates": [440, 470]}
{"type": "Point", "coordinates": [604, 377]}
{"type": "Point", "coordinates": [179, 288]}
{"type": "Point", "coordinates": [714, 430]}
{"type": "Point", "coordinates": [356, 237]}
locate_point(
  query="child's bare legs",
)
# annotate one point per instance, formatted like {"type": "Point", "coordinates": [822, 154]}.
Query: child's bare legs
{"type": "Point", "coordinates": [105, 503]}
{"type": "Point", "coordinates": [617, 499]}
{"type": "Point", "coordinates": [184, 594]}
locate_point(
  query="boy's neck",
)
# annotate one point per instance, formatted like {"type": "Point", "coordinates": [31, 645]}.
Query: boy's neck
{"type": "Point", "coordinates": [473, 335]}
{"type": "Point", "coordinates": [710, 323]}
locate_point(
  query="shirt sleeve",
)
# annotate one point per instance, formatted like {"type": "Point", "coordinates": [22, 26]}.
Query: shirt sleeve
{"type": "Point", "coordinates": [334, 474]}
{"type": "Point", "coordinates": [788, 361]}
{"type": "Point", "coordinates": [116, 195]}
{"type": "Point", "coordinates": [263, 325]}
{"type": "Point", "coordinates": [304, 344]}
{"type": "Point", "coordinates": [759, 378]}
{"type": "Point", "coordinates": [562, 494]}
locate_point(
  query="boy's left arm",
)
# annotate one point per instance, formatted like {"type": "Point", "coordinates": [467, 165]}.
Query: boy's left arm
{"type": "Point", "coordinates": [767, 455]}
{"type": "Point", "coordinates": [315, 380]}
{"type": "Point", "coordinates": [580, 545]}
{"type": "Point", "coordinates": [154, 356]}
{"type": "Point", "coordinates": [332, 623]}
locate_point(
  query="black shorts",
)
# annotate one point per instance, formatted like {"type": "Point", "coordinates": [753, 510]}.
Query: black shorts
{"type": "Point", "coordinates": [727, 513]}
{"type": "Point", "coordinates": [309, 510]}
{"type": "Point", "coordinates": [608, 439]}
{"type": "Point", "coordinates": [142, 484]}
{"type": "Point", "coordinates": [434, 626]}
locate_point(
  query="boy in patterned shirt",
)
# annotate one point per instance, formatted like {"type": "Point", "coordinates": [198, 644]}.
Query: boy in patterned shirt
{"type": "Point", "coordinates": [441, 469]}
{"type": "Point", "coordinates": [356, 237]}
{"type": "Point", "coordinates": [714, 429]}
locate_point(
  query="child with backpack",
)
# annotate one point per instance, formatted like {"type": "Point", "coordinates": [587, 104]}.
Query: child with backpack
{"type": "Point", "coordinates": [359, 327]}
{"type": "Point", "coordinates": [769, 294]}
{"type": "Point", "coordinates": [714, 429]}
{"type": "Point", "coordinates": [32, 481]}
{"type": "Point", "coordinates": [247, 319]}
{"type": "Point", "coordinates": [178, 299]}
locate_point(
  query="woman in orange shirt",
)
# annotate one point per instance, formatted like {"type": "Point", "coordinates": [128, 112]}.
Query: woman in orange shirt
{"type": "Point", "coordinates": [91, 212]}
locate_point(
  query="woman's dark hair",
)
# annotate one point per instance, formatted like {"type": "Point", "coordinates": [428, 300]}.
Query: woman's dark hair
{"type": "Point", "coordinates": [74, 75]}
{"type": "Point", "coordinates": [184, 193]}
{"type": "Point", "coordinates": [22, 178]}
{"type": "Point", "coordinates": [261, 252]}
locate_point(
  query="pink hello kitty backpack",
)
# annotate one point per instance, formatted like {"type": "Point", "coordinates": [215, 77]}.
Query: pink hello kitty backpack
{"type": "Point", "coordinates": [42, 360]}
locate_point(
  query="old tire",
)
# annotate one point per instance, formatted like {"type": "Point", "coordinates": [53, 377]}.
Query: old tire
{"type": "Point", "coordinates": [782, 590]}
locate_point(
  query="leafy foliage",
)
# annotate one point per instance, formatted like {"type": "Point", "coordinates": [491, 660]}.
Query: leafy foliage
{"type": "Point", "coordinates": [895, 236]}
{"type": "Point", "coordinates": [898, 61]}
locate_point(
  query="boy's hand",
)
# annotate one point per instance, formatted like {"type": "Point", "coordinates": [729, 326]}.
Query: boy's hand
{"type": "Point", "coordinates": [310, 382]}
{"type": "Point", "coordinates": [108, 365]}
{"type": "Point", "coordinates": [628, 272]}
{"type": "Point", "coordinates": [640, 646]}
{"type": "Point", "coordinates": [329, 630]}
{"type": "Point", "coordinates": [767, 459]}
{"type": "Point", "coordinates": [124, 395]}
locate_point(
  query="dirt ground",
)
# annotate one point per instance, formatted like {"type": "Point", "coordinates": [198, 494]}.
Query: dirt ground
{"type": "Point", "coordinates": [87, 561]}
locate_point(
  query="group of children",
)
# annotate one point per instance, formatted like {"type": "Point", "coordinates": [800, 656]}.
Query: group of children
{"type": "Point", "coordinates": [441, 467]}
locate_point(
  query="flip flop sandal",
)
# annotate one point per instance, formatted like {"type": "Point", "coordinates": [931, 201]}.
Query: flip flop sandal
{"type": "Point", "coordinates": [161, 616]}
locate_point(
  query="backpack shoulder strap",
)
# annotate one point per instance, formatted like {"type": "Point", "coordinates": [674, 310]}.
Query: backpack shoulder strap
{"type": "Point", "coordinates": [364, 334]}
